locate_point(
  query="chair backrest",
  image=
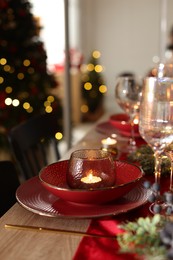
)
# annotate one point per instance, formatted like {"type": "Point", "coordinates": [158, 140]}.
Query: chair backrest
{"type": "Point", "coordinates": [31, 142]}
{"type": "Point", "coordinates": [9, 182]}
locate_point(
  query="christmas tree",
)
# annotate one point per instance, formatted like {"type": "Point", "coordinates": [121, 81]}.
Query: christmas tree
{"type": "Point", "coordinates": [93, 89]}
{"type": "Point", "coordinates": [25, 83]}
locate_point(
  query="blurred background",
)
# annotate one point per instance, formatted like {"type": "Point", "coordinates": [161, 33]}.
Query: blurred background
{"type": "Point", "coordinates": [131, 35]}
{"type": "Point", "coordinates": [98, 40]}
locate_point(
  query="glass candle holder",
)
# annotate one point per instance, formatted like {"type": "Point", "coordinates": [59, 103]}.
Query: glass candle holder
{"type": "Point", "coordinates": [91, 169]}
{"type": "Point", "coordinates": [110, 145]}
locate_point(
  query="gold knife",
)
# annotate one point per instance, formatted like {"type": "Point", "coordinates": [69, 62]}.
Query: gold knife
{"type": "Point", "coordinates": [60, 231]}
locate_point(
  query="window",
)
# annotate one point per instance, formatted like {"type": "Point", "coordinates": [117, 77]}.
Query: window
{"type": "Point", "coordinates": [51, 16]}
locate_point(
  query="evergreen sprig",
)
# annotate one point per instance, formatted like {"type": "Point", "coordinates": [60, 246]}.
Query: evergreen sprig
{"type": "Point", "coordinates": [145, 157]}
{"type": "Point", "coordinates": [142, 238]}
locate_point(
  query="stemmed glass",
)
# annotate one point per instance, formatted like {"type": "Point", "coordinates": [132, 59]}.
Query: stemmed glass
{"type": "Point", "coordinates": [169, 194]}
{"type": "Point", "coordinates": [156, 120]}
{"type": "Point", "coordinates": [127, 94]}
{"type": "Point", "coordinates": [165, 70]}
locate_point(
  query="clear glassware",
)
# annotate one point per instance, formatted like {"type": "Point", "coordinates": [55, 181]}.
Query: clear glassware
{"type": "Point", "coordinates": [156, 119]}
{"type": "Point", "coordinates": [165, 70]}
{"type": "Point", "coordinates": [128, 90]}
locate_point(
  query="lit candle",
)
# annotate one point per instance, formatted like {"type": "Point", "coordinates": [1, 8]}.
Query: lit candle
{"type": "Point", "coordinates": [109, 143]}
{"type": "Point", "coordinates": [136, 120]}
{"type": "Point", "coordinates": [90, 178]}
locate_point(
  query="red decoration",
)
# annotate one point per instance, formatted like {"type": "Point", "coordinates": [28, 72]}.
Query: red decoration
{"type": "Point", "coordinates": [3, 4]}
{"type": "Point", "coordinates": [2, 99]}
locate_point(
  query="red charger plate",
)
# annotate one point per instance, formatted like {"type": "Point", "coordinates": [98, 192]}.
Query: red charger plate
{"type": "Point", "coordinates": [121, 122]}
{"type": "Point", "coordinates": [53, 179]}
{"type": "Point", "coordinates": [32, 196]}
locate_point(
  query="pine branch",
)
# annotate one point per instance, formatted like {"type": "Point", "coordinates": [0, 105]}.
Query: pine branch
{"type": "Point", "coordinates": [145, 157]}
{"type": "Point", "coordinates": [142, 238]}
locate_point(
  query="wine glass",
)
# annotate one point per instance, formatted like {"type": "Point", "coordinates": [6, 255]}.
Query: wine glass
{"type": "Point", "coordinates": [156, 121]}
{"type": "Point", "coordinates": [165, 70]}
{"type": "Point", "coordinates": [169, 194]}
{"type": "Point", "coordinates": [128, 91]}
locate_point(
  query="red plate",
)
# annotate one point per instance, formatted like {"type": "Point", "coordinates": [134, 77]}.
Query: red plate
{"type": "Point", "coordinates": [121, 122]}
{"type": "Point", "coordinates": [53, 178]}
{"type": "Point", "coordinates": [34, 197]}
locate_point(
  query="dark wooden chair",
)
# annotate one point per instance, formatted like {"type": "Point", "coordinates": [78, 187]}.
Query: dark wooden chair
{"type": "Point", "coordinates": [32, 142]}
{"type": "Point", "coordinates": [8, 185]}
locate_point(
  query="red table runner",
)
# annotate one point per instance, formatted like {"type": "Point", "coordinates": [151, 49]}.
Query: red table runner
{"type": "Point", "coordinates": [103, 248]}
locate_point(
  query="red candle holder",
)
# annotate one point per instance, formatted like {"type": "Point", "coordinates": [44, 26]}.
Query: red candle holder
{"type": "Point", "coordinates": [91, 169]}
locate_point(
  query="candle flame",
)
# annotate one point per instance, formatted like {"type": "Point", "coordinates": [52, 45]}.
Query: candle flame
{"type": "Point", "coordinates": [90, 176]}
{"type": "Point", "coordinates": [109, 141]}
{"type": "Point", "coordinates": [136, 121]}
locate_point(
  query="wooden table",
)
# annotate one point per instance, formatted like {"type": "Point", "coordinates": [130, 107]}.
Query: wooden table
{"type": "Point", "coordinates": [23, 245]}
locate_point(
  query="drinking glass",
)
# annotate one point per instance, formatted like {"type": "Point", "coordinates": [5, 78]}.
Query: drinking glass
{"type": "Point", "coordinates": [128, 90]}
{"type": "Point", "coordinates": [156, 120]}
{"type": "Point", "coordinates": [165, 70]}
{"type": "Point", "coordinates": [169, 194]}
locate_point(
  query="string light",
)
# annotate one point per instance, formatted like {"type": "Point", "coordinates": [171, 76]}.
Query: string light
{"type": "Point", "coordinates": [51, 99]}
{"type": "Point", "coordinates": [3, 61]}
{"type": "Point", "coordinates": [1, 80]}
{"type": "Point", "coordinates": [96, 54]}
{"type": "Point", "coordinates": [8, 101]}
{"type": "Point", "coordinates": [15, 102]}
{"type": "Point", "coordinates": [20, 75]}
{"type": "Point", "coordinates": [83, 68]}
{"type": "Point", "coordinates": [90, 67]}
{"type": "Point", "coordinates": [46, 103]}
{"type": "Point", "coordinates": [98, 68]}
{"type": "Point", "coordinates": [26, 63]}
{"type": "Point", "coordinates": [88, 86]}
{"type": "Point", "coordinates": [30, 109]}
{"type": "Point", "coordinates": [26, 105]}
{"type": "Point", "coordinates": [93, 84]}
{"type": "Point", "coordinates": [58, 135]}
{"type": "Point", "coordinates": [7, 68]}
{"type": "Point", "coordinates": [103, 89]}
{"type": "Point", "coordinates": [48, 109]}
{"type": "Point", "coordinates": [84, 109]}
{"type": "Point", "coordinates": [8, 89]}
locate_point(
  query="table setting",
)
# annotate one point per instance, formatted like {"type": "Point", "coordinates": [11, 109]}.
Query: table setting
{"type": "Point", "coordinates": [119, 180]}
{"type": "Point", "coordinates": [51, 196]}
{"type": "Point", "coordinates": [155, 127]}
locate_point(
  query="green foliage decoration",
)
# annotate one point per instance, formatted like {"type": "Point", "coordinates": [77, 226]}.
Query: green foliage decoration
{"type": "Point", "coordinates": [141, 237]}
{"type": "Point", "coordinates": [145, 157]}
